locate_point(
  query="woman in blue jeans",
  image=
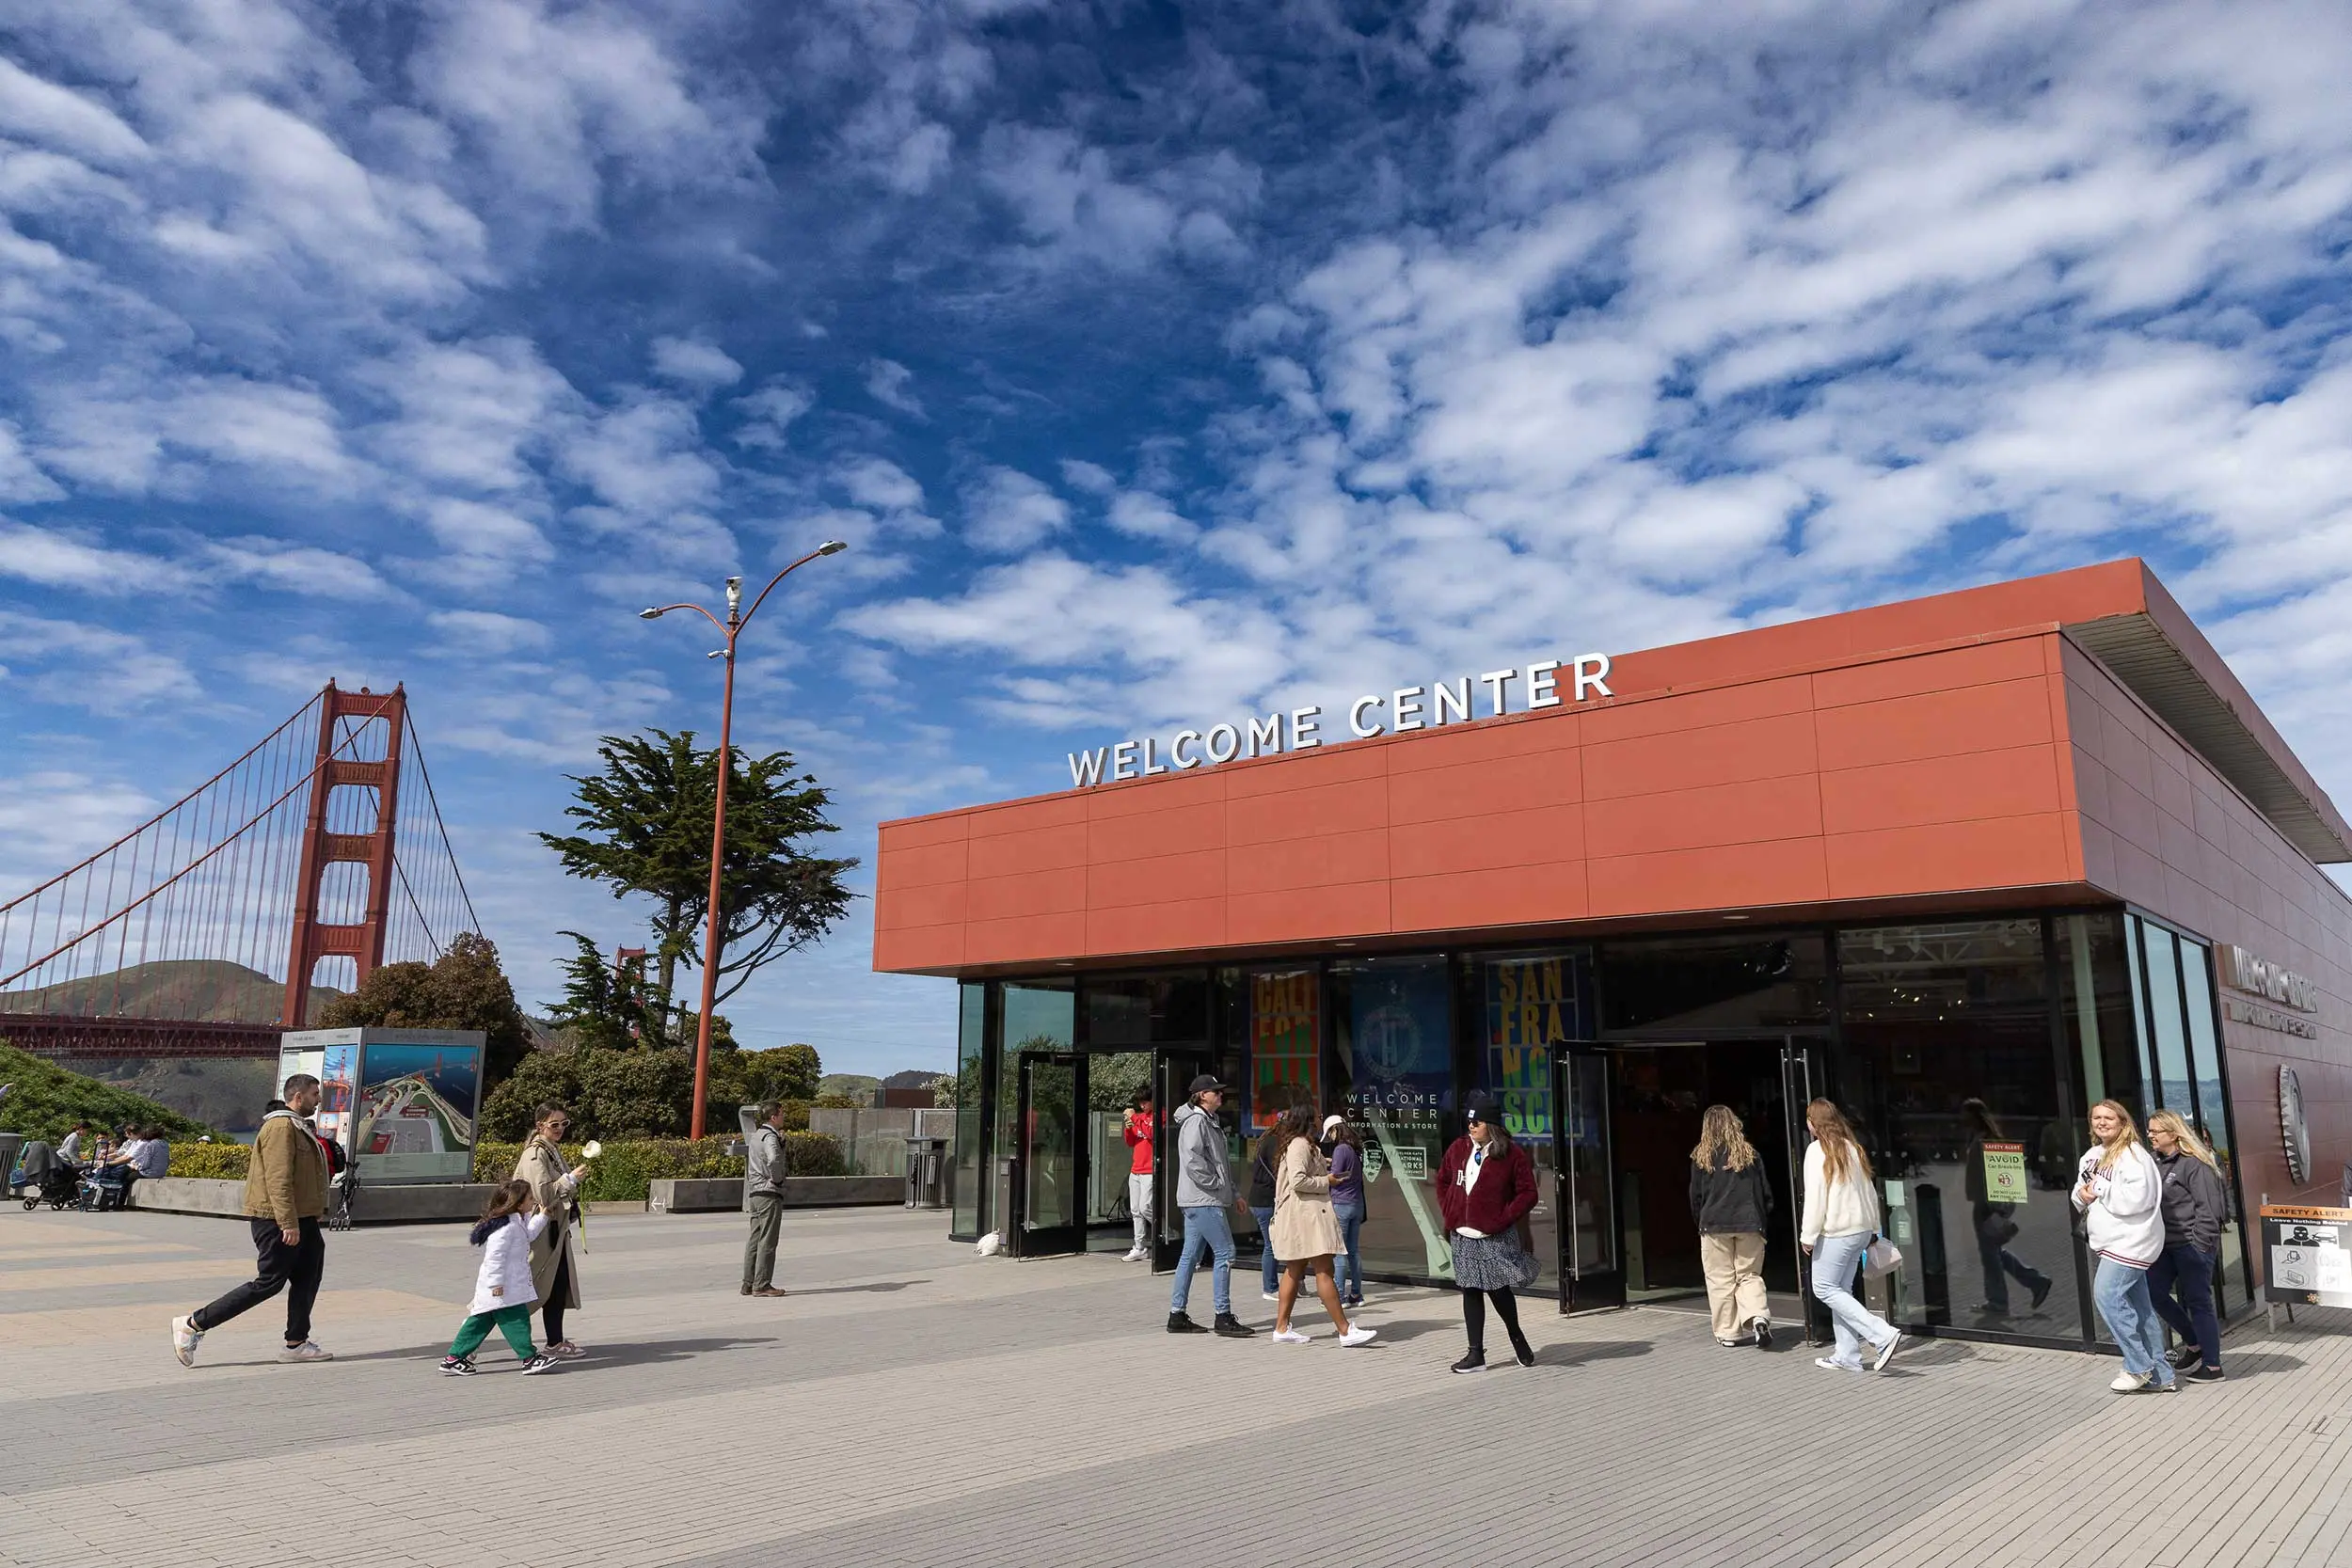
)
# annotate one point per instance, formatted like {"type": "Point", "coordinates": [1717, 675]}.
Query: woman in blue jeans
{"type": "Point", "coordinates": [2120, 1197]}
{"type": "Point", "coordinates": [1261, 1200]}
{"type": "Point", "coordinates": [1346, 1148]}
{"type": "Point", "coordinates": [2195, 1205]}
{"type": "Point", "coordinates": [1841, 1214]}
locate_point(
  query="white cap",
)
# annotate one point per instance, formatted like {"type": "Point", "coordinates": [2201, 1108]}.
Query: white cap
{"type": "Point", "coordinates": [1329, 1122]}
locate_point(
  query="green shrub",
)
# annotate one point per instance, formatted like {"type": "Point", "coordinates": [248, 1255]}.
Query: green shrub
{"type": "Point", "coordinates": [48, 1100]}
{"type": "Point", "coordinates": [217, 1162]}
{"type": "Point", "coordinates": [622, 1173]}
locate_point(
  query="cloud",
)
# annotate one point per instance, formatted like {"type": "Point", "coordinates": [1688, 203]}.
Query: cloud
{"type": "Point", "coordinates": [873, 482]}
{"type": "Point", "coordinates": [886, 382]}
{"type": "Point", "coordinates": [1071, 206]}
{"type": "Point", "coordinates": [53, 557]}
{"type": "Point", "coordinates": [473, 413]}
{"type": "Point", "coordinates": [295, 568]}
{"type": "Point", "coordinates": [470, 632]}
{"type": "Point", "coordinates": [1007, 512]}
{"type": "Point", "coordinates": [73, 665]}
{"type": "Point", "coordinates": [693, 363]}
{"type": "Point", "coordinates": [769, 412]}
{"type": "Point", "coordinates": [44, 112]}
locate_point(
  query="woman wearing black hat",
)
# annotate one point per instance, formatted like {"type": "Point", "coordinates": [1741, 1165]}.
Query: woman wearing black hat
{"type": "Point", "coordinates": [1485, 1189]}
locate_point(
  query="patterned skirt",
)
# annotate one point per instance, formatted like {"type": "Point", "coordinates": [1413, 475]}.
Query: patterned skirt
{"type": "Point", "coordinates": [1492, 1263]}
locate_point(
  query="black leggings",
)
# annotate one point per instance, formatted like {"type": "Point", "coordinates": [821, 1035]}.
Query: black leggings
{"type": "Point", "coordinates": [552, 1310]}
{"type": "Point", "coordinates": [1475, 1317]}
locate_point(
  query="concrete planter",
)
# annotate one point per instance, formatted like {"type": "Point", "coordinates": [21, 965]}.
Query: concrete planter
{"type": "Point", "coordinates": [385, 1205]}
{"type": "Point", "coordinates": [707, 1194]}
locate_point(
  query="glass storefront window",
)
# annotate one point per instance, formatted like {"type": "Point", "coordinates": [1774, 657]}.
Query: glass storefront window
{"type": "Point", "coordinates": [970, 1069]}
{"type": "Point", "coordinates": [1150, 1009]}
{"type": "Point", "coordinates": [2212, 1108]}
{"type": "Point", "coordinates": [2099, 995]}
{"type": "Point", "coordinates": [1948, 1066]}
{"type": "Point", "coordinates": [1697, 985]}
{"type": "Point", "coordinates": [1528, 1004]}
{"type": "Point", "coordinates": [2167, 1035]}
{"type": "Point", "coordinates": [1396, 1065]}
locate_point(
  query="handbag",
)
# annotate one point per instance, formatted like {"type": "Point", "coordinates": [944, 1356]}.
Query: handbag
{"type": "Point", "coordinates": [1880, 1258]}
{"type": "Point", "coordinates": [1998, 1229]}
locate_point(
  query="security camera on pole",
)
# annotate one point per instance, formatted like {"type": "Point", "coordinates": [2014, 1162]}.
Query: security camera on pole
{"type": "Point", "coordinates": [737, 618]}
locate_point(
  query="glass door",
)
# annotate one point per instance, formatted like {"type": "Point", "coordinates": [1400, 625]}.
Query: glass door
{"type": "Point", "coordinates": [1803, 1073]}
{"type": "Point", "coordinates": [1049, 1168]}
{"type": "Point", "coordinates": [1592, 1266]}
{"type": "Point", "coordinates": [1172, 1072]}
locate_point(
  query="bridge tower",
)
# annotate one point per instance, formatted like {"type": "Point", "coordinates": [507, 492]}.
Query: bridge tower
{"type": "Point", "coordinates": [363, 940]}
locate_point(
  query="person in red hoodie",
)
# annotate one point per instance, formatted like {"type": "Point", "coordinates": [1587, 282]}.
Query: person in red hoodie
{"type": "Point", "coordinates": [1143, 1128]}
{"type": "Point", "coordinates": [1485, 1189]}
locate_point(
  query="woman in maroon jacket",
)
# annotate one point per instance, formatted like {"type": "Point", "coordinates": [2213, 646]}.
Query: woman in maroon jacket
{"type": "Point", "coordinates": [1485, 1189]}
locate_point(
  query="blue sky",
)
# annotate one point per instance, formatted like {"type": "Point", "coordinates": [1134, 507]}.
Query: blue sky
{"type": "Point", "coordinates": [1160, 364]}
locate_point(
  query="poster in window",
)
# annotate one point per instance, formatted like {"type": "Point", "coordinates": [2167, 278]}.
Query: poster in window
{"type": "Point", "coordinates": [1532, 1005]}
{"type": "Point", "coordinates": [1285, 1043]}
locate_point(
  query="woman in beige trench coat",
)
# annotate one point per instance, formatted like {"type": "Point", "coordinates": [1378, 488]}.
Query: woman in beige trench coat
{"type": "Point", "coordinates": [1306, 1233]}
{"type": "Point", "coordinates": [554, 1258]}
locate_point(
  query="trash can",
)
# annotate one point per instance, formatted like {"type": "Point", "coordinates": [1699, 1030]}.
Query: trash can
{"type": "Point", "coordinates": [11, 1143]}
{"type": "Point", "coordinates": [927, 1173]}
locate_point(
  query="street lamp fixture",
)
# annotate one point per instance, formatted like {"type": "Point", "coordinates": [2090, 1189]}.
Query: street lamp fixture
{"type": "Point", "coordinates": [737, 618]}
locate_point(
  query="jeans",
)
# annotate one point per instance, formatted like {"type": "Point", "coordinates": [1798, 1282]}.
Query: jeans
{"type": "Point", "coordinates": [1272, 1269]}
{"type": "Point", "coordinates": [2193, 1271]}
{"type": "Point", "coordinates": [1139, 1204]}
{"type": "Point", "coordinates": [513, 1322]}
{"type": "Point", "coordinates": [760, 1247]}
{"type": "Point", "coordinates": [281, 1267]}
{"type": "Point", "coordinates": [2000, 1264]}
{"type": "Point", "coordinates": [1206, 1228]}
{"type": "Point", "coordinates": [2121, 1294]}
{"type": "Point", "coordinates": [1351, 1219]}
{"type": "Point", "coordinates": [1834, 1260]}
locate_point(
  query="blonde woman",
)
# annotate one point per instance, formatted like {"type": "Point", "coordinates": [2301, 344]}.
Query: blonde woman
{"type": "Point", "coordinates": [2195, 1205]}
{"type": "Point", "coordinates": [1729, 1200]}
{"type": "Point", "coordinates": [1841, 1214]}
{"type": "Point", "coordinates": [2119, 1195]}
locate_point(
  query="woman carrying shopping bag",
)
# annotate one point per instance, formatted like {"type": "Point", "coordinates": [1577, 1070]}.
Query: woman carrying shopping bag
{"type": "Point", "coordinates": [1841, 1214]}
{"type": "Point", "coordinates": [2121, 1198]}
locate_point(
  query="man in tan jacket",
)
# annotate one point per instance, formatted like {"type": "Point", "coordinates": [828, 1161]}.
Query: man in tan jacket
{"type": "Point", "coordinates": [285, 1197]}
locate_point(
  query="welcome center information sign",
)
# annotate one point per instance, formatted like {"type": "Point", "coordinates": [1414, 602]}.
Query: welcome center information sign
{"type": "Point", "coordinates": [402, 1102]}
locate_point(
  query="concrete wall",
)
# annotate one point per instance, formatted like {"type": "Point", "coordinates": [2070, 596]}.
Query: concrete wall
{"type": "Point", "coordinates": [703, 1195]}
{"type": "Point", "coordinates": [387, 1205]}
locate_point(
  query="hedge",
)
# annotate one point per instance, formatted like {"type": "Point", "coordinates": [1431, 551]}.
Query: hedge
{"type": "Point", "coordinates": [622, 1172]}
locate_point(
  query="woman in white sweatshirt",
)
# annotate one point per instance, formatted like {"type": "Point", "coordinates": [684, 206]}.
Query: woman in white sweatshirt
{"type": "Point", "coordinates": [1841, 1214]}
{"type": "Point", "coordinates": [2121, 1202]}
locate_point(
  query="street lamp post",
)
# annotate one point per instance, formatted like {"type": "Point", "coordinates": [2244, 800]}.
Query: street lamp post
{"type": "Point", "coordinates": [737, 618]}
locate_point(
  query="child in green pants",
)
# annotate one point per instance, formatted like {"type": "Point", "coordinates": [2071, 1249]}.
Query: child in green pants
{"type": "Point", "coordinates": [504, 1293]}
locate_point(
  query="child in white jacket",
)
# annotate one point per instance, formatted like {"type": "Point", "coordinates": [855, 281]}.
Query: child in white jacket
{"type": "Point", "coordinates": [504, 1293]}
{"type": "Point", "coordinates": [2121, 1198]}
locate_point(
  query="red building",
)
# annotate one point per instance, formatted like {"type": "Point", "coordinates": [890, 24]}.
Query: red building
{"type": "Point", "coordinates": [1967, 863]}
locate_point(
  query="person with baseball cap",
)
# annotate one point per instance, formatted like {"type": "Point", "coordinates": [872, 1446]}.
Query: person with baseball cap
{"type": "Point", "coordinates": [1486, 1188]}
{"type": "Point", "coordinates": [1345, 1147]}
{"type": "Point", "coordinates": [1204, 1188]}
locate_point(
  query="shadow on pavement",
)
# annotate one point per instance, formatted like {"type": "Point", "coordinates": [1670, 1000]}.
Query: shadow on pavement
{"type": "Point", "coordinates": [852, 1290]}
{"type": "Point", "coordinates": [655, 1352]}
{"type": "Point", "coordinates": [1576, 1354]}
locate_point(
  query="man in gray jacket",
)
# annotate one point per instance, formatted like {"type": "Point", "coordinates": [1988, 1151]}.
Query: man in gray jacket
{"type": "Point", "coordinates": [763, 1200]}
{"type": "Point", "coordinates": [1204, 1188]}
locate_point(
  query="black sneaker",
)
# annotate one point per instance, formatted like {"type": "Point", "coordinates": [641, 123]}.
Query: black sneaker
{"type": "Point", "coordinates": [2184, 1357]}
{"type": "Point", "coordinates": [2042, 1292]}
{"type": "Point", "coordinates": [1523, 1353]}
{"type": "Point", "coordinates": [1179, 1322]}
{"type": "Point", "coordinates": [2205, 1374]}
{"type": "Point", "coordinates": [457, 1365]}
{"type": "Point", "coordinates": [1232, 1327]}
{"type": "Point", "coordinates": [1474, 1362]}
{"type": "Point", "coordinates": [1763, 1334]}
{"type": "Point", "coordinates": [538, 1364]}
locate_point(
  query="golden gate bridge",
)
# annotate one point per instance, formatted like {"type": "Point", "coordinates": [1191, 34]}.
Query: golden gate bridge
{"type": "Point", "coordinates": [300, 868]}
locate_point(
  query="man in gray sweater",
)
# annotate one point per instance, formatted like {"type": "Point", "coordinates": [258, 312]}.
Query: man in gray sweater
{"type": "Point", "coordinates": [1204, 1188]}
{"type": "Point", "coordinates": [763, 1200]}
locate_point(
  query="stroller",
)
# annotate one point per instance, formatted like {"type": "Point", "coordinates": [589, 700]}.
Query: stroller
{"type": "Point", "coordinates": [47, 1178]}
{"type": "Point", "coordinates": [343, 1186]}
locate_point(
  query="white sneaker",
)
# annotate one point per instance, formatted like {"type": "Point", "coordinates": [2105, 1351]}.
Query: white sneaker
{"type": "Point", "coordinates": [185, 1337]}
{"type": "Point", "coordinates": [1134, 1255]}
{"type": "Point", "coordinates": [1269, 1295]}
{"type": "Point", "coordinates": [1356, 1335]}
{"type": "Point", "coordinates": [307, 1351]}
{"type": "Point", "coordinates": [2130, 1383]}
{"type": "Point", "coordinates": [1827, 1365]}
{"type": "Point", "coordinates": [1290, 1337]}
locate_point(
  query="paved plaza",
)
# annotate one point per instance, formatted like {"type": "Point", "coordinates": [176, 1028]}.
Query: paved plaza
{"type": "Point", "coordinates": [912, 1404]}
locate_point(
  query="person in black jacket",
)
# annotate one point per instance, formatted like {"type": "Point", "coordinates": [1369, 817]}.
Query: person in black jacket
{"type": "Point", "coordinates": [1260, 1199]}
{"type": "Point", "coordinates": [1729, 1199]}
{"type": "Point", "coordinates": [2196, 1206]}
{"type": "Point", "coordinates": [1995, 1224]}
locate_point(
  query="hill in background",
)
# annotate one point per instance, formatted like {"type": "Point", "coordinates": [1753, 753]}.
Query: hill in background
{"type": "Point", "coordinates": [206, 990]}
{"type": "Point", "coordinates": [47, 1101]}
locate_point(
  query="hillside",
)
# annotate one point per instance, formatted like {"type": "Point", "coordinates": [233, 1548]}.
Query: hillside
{"type": "Point", "coordinates": [47, 1101]}
{"type": "Point", "coordinates": [208, 990]}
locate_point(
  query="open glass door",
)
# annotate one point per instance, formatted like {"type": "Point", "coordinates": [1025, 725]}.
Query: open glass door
{"type": "Point", "coordinates": [1049, 1171]}
{"type": "Point", "coordinates": [1172, 1072]}
{"type": "Point", "coordinates": [1592, 1262]}
{"type": "Point", "coordinates": [1803, 1073]}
